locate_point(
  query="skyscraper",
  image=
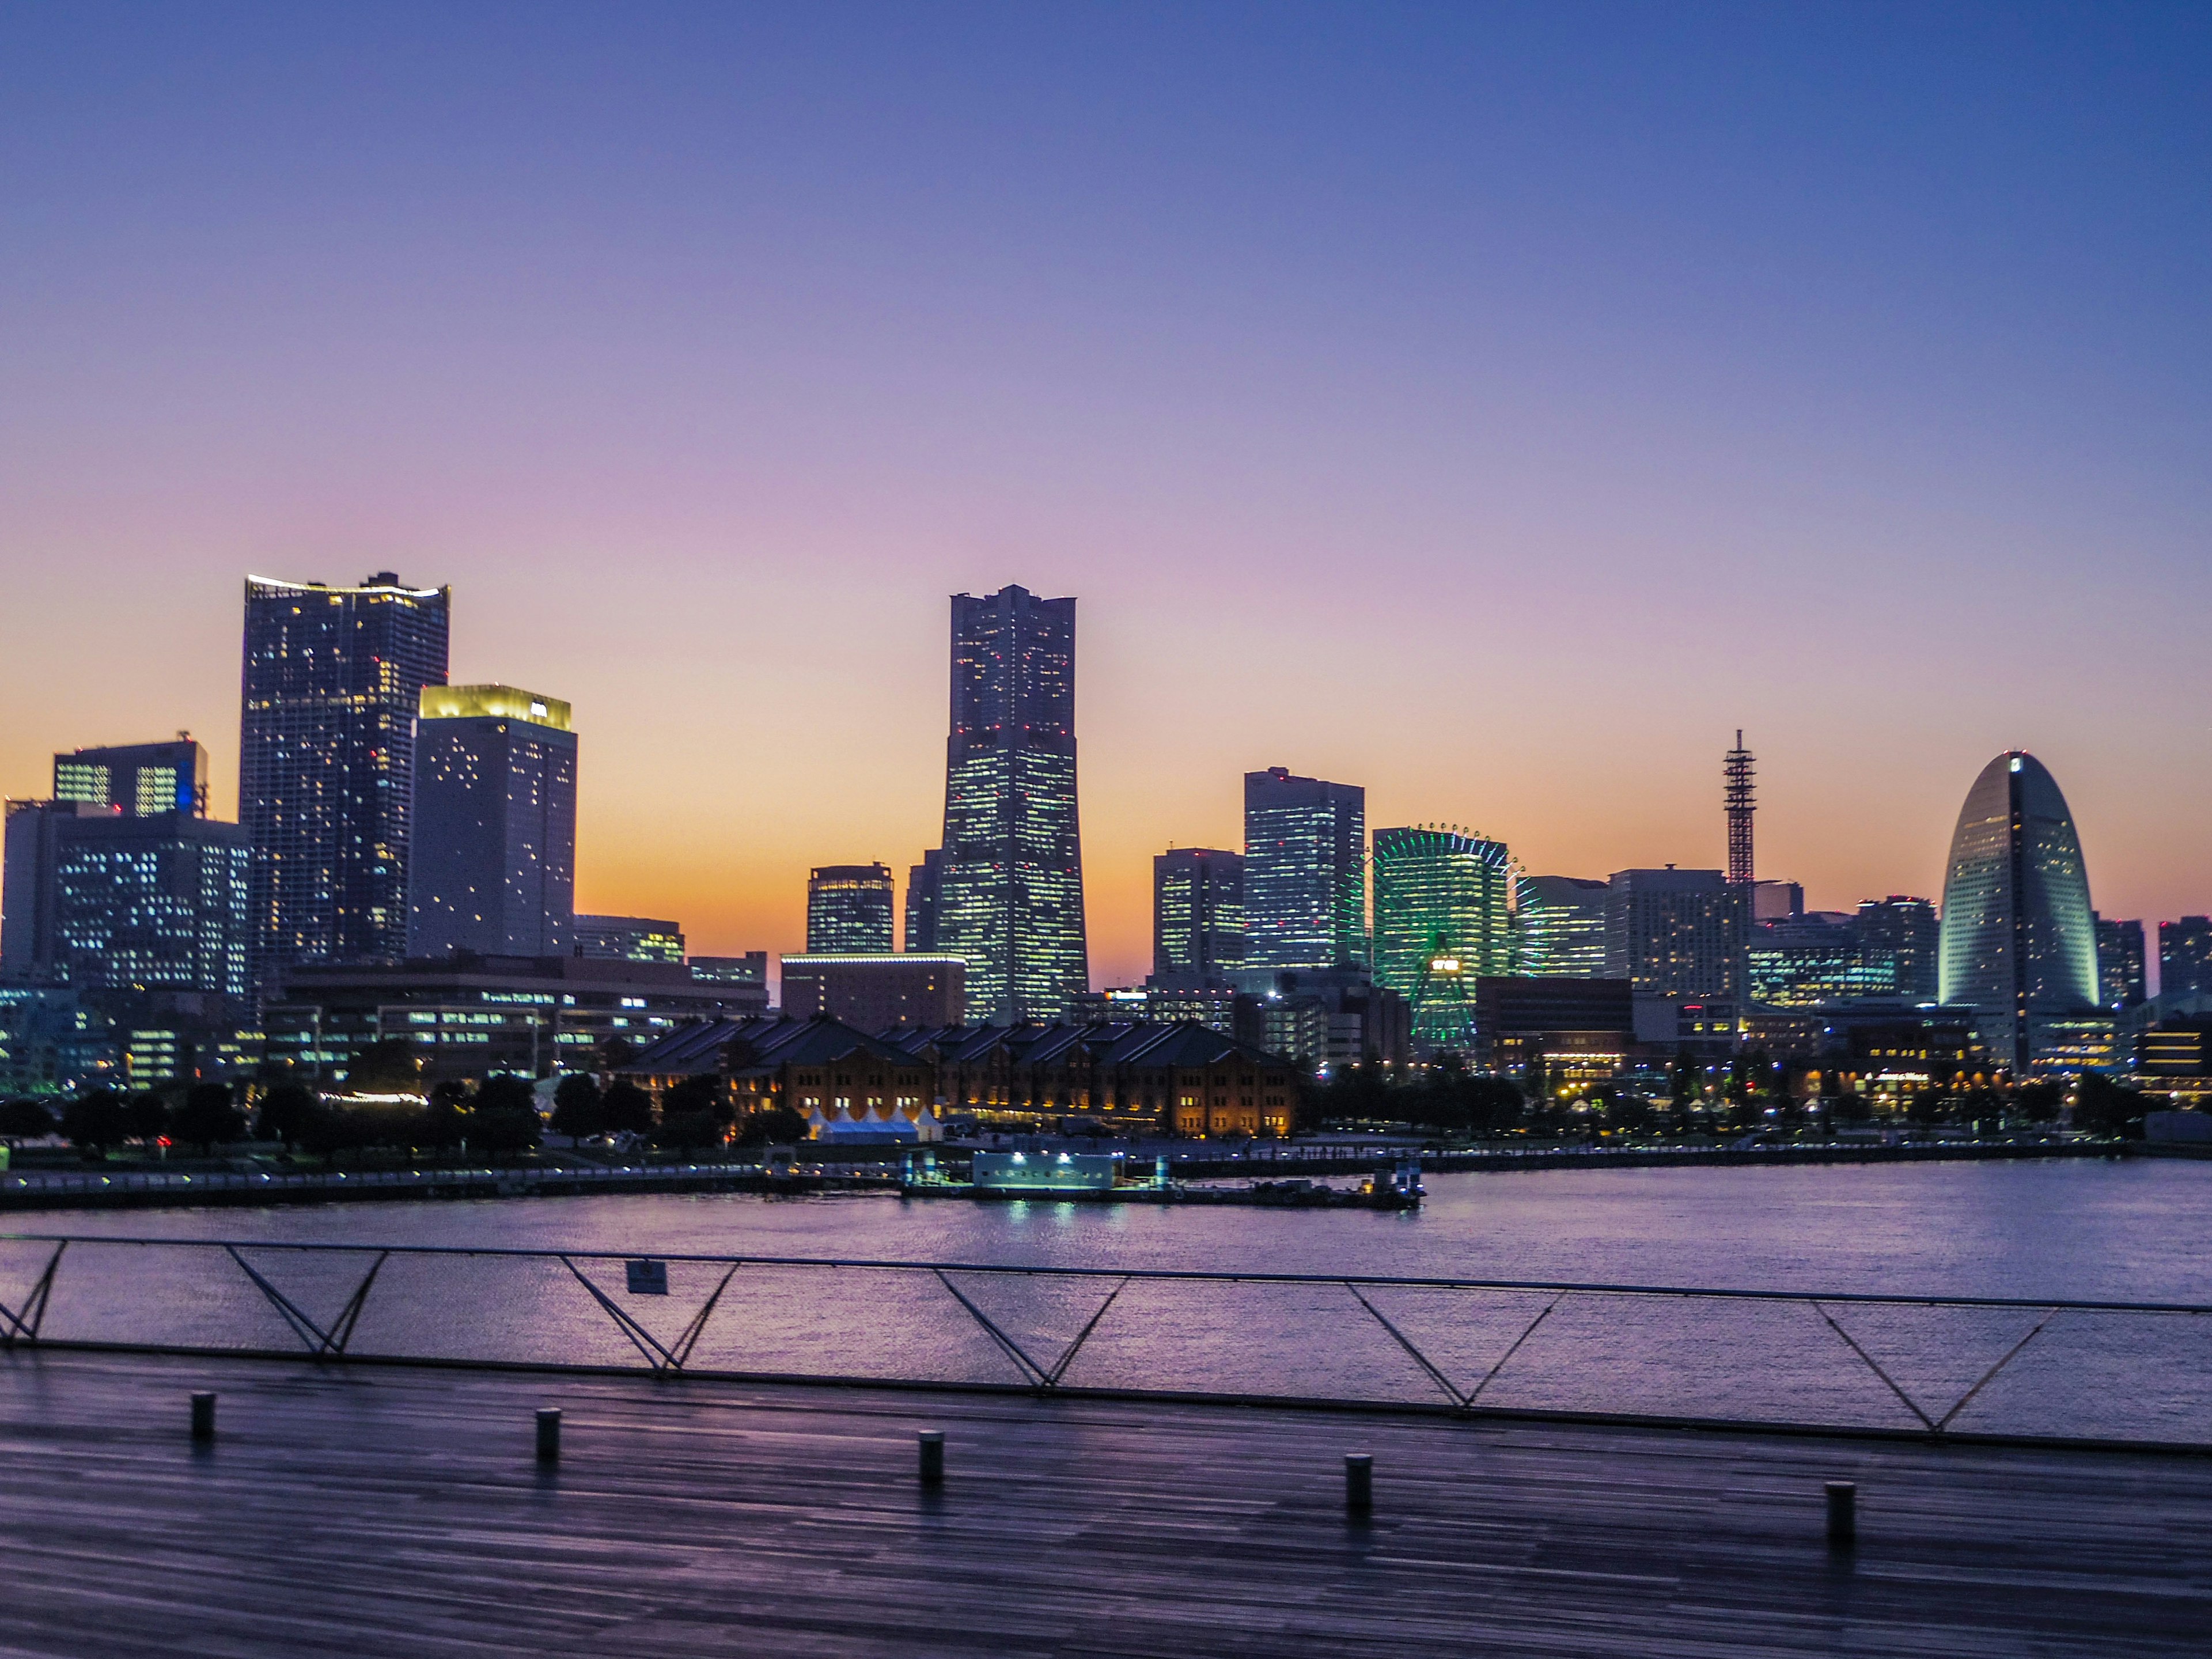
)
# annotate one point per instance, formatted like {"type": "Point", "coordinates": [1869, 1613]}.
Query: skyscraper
{"type": "Point", "coordinates": [2120, 979]}
{"type": "Point", "coordinates": [849, 909]}
{"type": "Point", "coordinates": [2017, 938]}
{"type": "Point", "coordinates": [1443, 919]}
{"type": "Point", "coordinates": [492, 868]}
{"type": "Point", "coordinates": [1897, 941]}
{"type": "Point", "coordinates": [924, 883]}
{"type": "Point", "coordinates": [1676, 933]}
{"type": "Point", "coordinates": [1306, 871]}
{"type": "Point", "coordinates": [327, 731]}
{"type": "Point", "coordinates": [137, 780]}
{"type": "Point", "coordinates": [1011, 895]}
{"type": "Point", "coordinates": [2184, 957]}
{"type": "Point", "coordinates": [628, 939]}
{"type": "Point", "coordinates": [1561, 921]}
{"type": "Point", "coordinates": [1198, 916]}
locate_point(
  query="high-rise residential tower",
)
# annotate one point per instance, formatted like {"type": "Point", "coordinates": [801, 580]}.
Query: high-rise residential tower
{"type": "Point", "coordinates": [1306, 871]}
{"type": "Point", "coordinates": [1011, 893]}
{"type": "Point", "coordinates": [2019, 941]}
{"type": "Point", "coordinates": [1560, 923]}
{"type": "Point", "coordinates": [1198, 916]}
{"type": "Point", "coordinates": [492, 868]}
{"type": "Point", "coordinates": [1676, 932]}
{"type": "Point", "coordinates": [326, 736]}
{"type": "Point", "coordinates": [850, 907]}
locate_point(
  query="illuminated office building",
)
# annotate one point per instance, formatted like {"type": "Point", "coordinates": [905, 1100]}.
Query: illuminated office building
{"type": "Point", "coordinates": [327, 730]}
{"type": "Point", "coordinates": [1676, 932]}
{"type": "Point", "coordinates": [1010, 898]}
{"type": "Point", "coordinates": [1198, 916]}
{"type": "Point", "coordinates": [493, 866]}
{"type": "Point", "coordinates": [2185, 958]}
{"type": "Point", "coordinates": [2019, 944]}
{"type": "Point", "coordinates": [1443, 919]}
{"type": "Point", "coordinates": [627, 939]}
{"type": "Point", "coordinates": [924, 885]}
{"type": "Point", "coordinates": [849, 909]}
{"type": "Point", "coordinates": [137, 780]}
{"type": "Point", "coordinates": [1898, 939]}
{"type": "Point", "coordinates": [1559, 923]}
{"type": "Point", "coordinates": [143, 902]}
{"type": "Point", "coordinates": [2120, 979]}
{"type": "Point", "coordinates": [1305, 872]}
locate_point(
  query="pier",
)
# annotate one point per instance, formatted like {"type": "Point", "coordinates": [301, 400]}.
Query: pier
{"type": "Point", "coordinates": [373, 1510]}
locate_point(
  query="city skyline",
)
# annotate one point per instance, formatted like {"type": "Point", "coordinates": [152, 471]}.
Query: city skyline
{"type": "Point", "coordinates": [1494, 413]}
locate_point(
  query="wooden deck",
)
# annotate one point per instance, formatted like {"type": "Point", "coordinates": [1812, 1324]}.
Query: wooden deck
{"type": "Point", "coordinates": [383, 1511]}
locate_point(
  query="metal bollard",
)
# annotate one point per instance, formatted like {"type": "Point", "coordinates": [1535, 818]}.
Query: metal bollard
{"type": "Point", "coordinates": [1359, 1483]}
{"type": "Point", "coordinates": [204, 1416]}
{"type": "Point", "coordinates": [932, 1442]}
{"type": "Point", "coordinates": [549, 1434]}
{"type": "Point", "coordinates": [1842, 1514]}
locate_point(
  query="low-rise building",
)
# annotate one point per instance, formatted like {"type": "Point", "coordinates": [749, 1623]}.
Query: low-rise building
{"type": "Point", "coordinates": [874, 990]}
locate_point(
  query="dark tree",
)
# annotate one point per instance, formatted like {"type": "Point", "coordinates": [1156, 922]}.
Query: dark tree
{"type": "Point", "coordinates": [284, 1112]}
{"type": "Point", "coordinates": [2039, 1102]}
{"type": "Point", "coordinates": [501, 1130]}
{"type": "Point", "coordinates": [149, 1116]}
{"type": "Point", "coordinates": [96, 1121]}
{"type": "Point", "coordinates": [628, 1108]}
{"type": "Point", "coordinates": [2102, 1107]}
{"type": "Point", "coordinates": [576, 1109]}
{"type": "Point", "coordinates": [504, 1091]}
{"type": "Point", "coordinates": [771, 1126]}
{"type": "Point", "coordinates": [705, 1093]}
{"type": "Point", "coordinates": [24, 1120]}
{"type": "Point", "coordinates": [616, 1053]}
{"type": "Point", "coordinates": [208, 1117]}
{"type": "Point", "coordinates": [687, 1131]}
{"type": "Point", "coordinates": [452, 1093]}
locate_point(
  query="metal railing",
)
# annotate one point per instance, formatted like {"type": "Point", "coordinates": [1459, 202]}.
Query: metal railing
{"type": "Point", "coordinates": [1980, 1368]}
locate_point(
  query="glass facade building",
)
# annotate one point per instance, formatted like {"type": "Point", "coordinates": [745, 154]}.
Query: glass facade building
{"type": "Point", "coordinates": [2019, 940]}
{"type": "Point", "coordinates": [2120, 979]}
{"type": "Point", "coordinates": [1676, 932]}
{"type": "Point", "coordinates": [1444, 918]}
{"type": "Point", "coordinates": [1559, 928]}
{"type": "Point", "coordinates": [1010, 897]}
{"type": "Point", "coordinates": [492, 864]}
{"type": "Point", "coordinates": [1306, 871]}
{"type": "Point", "coordinates": [923, 884]}
{"type": "Point", "coordinates": [327, 729]}
{"type": "Point", "coordinates": [1198, 915]}
{"type": "Point", "coordinates": [849, 909]}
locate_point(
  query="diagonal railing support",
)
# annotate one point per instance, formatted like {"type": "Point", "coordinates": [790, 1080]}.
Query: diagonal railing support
{"type": "Point", "coordinates": [660, 1358]}
{"type": "Point", "coordinates": [1888, 1382]}
{"type": "Point", "coordinates": [1990, 1376]}
{"type": "Point", "coordinates": [25, 1326]}
{"type": "Point", "coordinates": [349, 1315]}
{"type": "Point", "coordinates": [1407, 1343]}
{"type": "Point", "coordinates": [1084, 1335]}
{"type": "Point", "coordinates": [1013, 1349]}
{"type": "Point", "coordinates": [317, 1340]}
{"type": "Point", "coordinates": [690, 1340]}
{"type": "Point", "coordinates": [1526, 1331]}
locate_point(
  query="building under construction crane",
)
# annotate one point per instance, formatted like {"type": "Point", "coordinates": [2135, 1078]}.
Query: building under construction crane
{"type": "Point", "coordinates": [1736, 771]}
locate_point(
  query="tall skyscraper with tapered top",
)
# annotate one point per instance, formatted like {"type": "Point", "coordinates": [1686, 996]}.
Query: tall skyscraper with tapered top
{"type": "Point", "coordinates": [1010, 898]}
{"type": "Point", "coordinates": [326, 760]}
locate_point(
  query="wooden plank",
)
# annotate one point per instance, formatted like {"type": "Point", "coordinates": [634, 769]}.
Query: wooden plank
{"type": "Point", "coordinates": [387, 1511]}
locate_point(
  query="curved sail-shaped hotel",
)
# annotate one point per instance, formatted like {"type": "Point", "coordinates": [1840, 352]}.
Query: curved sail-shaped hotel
{"type": "Point", "coordinates": [2018, 941]}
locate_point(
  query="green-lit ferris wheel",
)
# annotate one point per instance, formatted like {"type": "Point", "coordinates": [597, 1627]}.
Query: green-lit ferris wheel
{"type": "Point", "coordinates": [1443, 900]}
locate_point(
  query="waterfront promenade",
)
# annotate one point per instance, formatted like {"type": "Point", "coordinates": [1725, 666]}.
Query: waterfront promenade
{"type": "Point", "coordinates": [379, 1509]}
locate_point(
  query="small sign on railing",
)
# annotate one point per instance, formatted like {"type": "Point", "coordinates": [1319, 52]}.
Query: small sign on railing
{"type": "Point", "coordinates": [648, 1278]}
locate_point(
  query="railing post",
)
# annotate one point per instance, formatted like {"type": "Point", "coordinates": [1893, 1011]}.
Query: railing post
{"type": "Point", "coordinates": [1359, 1483]}
{"type": "Point", "coordinates": [1842, 1514]}
{"type": "Point", "coordinates": [204, 1417]}
{"type": "Point", "coordinates": [549, 1434]}
{"type": "Point", "coordinates": [930, 1443]}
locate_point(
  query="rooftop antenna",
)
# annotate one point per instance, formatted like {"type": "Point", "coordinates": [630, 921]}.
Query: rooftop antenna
{"type": "Point", "coordinates": [1737, 773]}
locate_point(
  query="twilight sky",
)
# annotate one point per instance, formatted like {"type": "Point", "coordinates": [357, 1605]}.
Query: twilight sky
{"type": "Point", "coordinates": [1493, 405]}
